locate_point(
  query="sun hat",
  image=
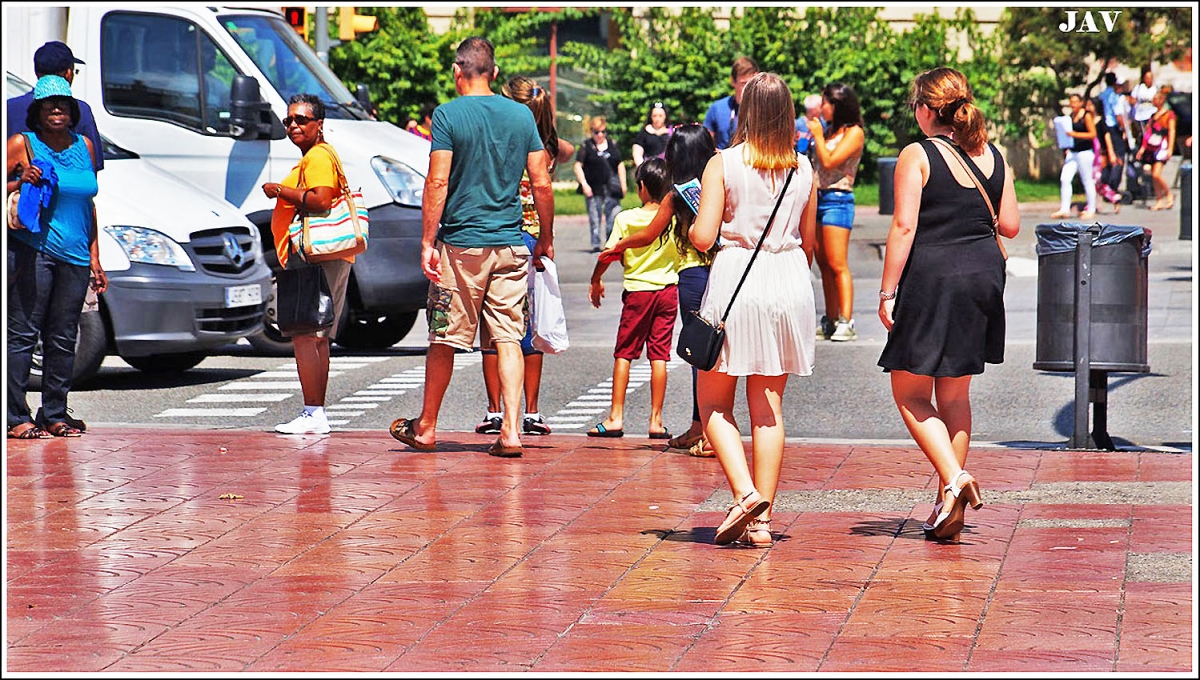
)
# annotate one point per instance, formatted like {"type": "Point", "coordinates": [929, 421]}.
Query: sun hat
{"type": "Point", "coordinates": [52, 86]}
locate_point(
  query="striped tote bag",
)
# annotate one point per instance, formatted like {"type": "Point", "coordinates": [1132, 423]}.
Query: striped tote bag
{"type": "Point", "coordinates": [338, 233]}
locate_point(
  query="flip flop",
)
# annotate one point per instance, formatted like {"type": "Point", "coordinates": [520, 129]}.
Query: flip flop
{"type": "Point", "coordinates": [601, 431]}
{"type": "Point", "coordinates": [660, 435]}
{"type": "Point", "coordinates": [499, 450]}
{"type": "Point", "coordinates": [402, 431]}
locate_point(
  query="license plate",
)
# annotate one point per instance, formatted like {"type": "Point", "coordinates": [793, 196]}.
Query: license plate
{"type": "Point", "coordinates": [243, 296]}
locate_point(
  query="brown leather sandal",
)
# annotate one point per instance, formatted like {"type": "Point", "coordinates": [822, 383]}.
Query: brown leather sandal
{"type": "Point", "coordinates": [61, 429]}
{"type": "Point", "coordinates": [31, 432]}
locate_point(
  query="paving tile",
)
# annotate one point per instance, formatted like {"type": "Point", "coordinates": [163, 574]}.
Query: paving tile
{"type": "Point", "coordinates": [348, 554]}
{"type": "Point", "coordinates": [925, 653]}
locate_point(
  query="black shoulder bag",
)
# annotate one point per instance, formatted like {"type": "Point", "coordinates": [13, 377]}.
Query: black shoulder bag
{"type": "Point", "coordinates": [699, 341]}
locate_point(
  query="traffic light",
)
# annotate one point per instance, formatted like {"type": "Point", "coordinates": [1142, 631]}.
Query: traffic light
{"type": "Point", "coordinates": [351, 24]}
{"type": "Point", "coordinates": [297, 17]}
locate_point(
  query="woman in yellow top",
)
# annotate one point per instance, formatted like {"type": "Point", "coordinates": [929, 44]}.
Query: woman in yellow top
{"type": "Point", "coordinates": [305, 123]}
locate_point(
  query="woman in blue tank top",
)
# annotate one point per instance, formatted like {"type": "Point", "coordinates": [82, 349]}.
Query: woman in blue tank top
{"type": "Point", "coordinates": [51, 262]}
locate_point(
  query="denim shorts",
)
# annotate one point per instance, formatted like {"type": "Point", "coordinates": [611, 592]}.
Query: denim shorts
{"type": "Point", "coordinates": [835, 208]}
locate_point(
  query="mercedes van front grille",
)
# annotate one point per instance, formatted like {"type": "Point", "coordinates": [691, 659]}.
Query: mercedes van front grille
{"type": "Point", "coordinates": [225, 252]}
{"type": "Point", "coordinates": [232, 320]}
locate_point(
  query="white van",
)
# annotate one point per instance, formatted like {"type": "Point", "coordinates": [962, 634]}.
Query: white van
{"type": "Point", "coordinates": [185, 269]}
{"type": "Point", "coordinates": [200, 91]}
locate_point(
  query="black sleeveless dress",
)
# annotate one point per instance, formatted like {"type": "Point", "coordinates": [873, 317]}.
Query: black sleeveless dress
{"type": "Point", "coordinates": [949, 310]}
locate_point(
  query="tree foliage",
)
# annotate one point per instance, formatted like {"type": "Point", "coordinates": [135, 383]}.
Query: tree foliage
{"type": "Point", "coordinates": [681, 56]}
{"type": "Point", "coordinates": [1039, 63]}
{"type": "Point", "coordinates": [402, 63]}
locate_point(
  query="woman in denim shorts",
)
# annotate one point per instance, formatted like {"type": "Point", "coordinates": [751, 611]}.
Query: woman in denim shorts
{"type": "Point", "coordinates": [838, 152]}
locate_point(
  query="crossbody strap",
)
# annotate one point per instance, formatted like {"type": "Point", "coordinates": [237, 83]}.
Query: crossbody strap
{"type": "Point", "coordinates": [758, 247]}
{"type": "Point", "coordinates": [978, 185]}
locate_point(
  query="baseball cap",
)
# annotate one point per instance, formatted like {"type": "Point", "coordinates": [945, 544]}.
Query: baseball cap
{"type": "Point", "coordinates": [51, 86]}
{"type": "Point", "coordinates": [54, 57]}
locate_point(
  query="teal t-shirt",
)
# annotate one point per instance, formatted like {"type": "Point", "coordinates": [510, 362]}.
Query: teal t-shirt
{"type": "Point", "coordinates": [491, 138]}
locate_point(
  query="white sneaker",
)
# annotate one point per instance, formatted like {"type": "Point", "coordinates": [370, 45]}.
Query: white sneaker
{"type": "Point", "coordinates": [305, 423]}
{"type": "Point", "coordinates": [844, 331]}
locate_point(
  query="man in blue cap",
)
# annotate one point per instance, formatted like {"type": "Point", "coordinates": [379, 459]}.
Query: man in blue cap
{"type": "Point", "coordinates": [55, 59]}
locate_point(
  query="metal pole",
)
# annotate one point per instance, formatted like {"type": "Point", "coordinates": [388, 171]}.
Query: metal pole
{"type": "Point", "coordinates": [1080, 438]}
{"type": "Point", "coordinates": [322, 40]}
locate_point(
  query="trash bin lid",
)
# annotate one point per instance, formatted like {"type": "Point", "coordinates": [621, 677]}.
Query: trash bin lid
{"type": "Point", "coordinates": [1063, 237]}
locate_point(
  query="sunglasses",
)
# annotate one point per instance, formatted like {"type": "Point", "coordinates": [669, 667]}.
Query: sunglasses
{"type": "Point", "coordinates": [599, 132]}
{"type": "Point", "coordinates": [298, 120]}
{"type": "Point", "coordinates": [657, 105]}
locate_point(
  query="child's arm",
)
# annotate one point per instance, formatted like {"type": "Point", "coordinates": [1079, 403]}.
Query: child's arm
{"type": "Point", "coordinates": [596, 290]}
{"type": "Point", "coordinates": [644, 237]}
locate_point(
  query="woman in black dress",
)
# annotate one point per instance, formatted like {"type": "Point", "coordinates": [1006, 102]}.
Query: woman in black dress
{"type": "Point", "coordinates": [651, 141]}
{"type": "Point", "coordinates": [942, 292]}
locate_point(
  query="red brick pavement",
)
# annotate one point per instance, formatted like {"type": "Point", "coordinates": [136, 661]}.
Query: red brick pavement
{"type": "Point", "coordinates": [354, 553]}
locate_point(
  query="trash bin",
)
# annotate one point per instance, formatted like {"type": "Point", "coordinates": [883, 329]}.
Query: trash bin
{"type": "Point", "coordinates": [887, 185]}
{"type": "Point", "coordinates": [1116, 287]}
{"type": "Point", "coordinates": [1091, 313]}
{"type": "Point", "coordinates": [1185, 200]}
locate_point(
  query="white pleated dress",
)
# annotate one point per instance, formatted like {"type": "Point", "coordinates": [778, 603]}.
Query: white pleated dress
{"type": "Point", "coordinates": [769, 330]}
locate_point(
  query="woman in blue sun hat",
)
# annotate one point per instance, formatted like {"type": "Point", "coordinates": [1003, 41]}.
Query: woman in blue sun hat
{"type": "Point", "coordinates": [51, 264]}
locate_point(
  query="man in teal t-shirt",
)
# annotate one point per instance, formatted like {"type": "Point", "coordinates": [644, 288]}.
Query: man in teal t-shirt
{"type": "Point", "coordinates": [472, 251]}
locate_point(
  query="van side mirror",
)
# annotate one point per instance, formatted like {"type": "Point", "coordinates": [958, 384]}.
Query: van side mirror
{"type": "Point", "coordinates": [363, 96]}
{"type": "Point", "coordinates": [249, 115]}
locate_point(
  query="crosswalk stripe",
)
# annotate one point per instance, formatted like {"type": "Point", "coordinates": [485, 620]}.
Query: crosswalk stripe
{"type": "Point", "coordinates": [234, 398]}
{"type": "Point", "coordinates": [255, 385]}
{"type": "Point", "coordinates": [210, 413]}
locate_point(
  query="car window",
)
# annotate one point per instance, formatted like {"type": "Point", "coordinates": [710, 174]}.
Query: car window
{"type": "Point", "coordinates": [165, 68]}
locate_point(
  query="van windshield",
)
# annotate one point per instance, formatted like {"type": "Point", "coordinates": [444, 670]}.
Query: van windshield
{"type": "Point", "coordinates": [290, 64]}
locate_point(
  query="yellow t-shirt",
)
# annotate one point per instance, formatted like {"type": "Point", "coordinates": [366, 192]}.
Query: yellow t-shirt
{"type": "Point", "coordinates": [651, 267]}
{"type": "Point", "coordinates": [319, 171]}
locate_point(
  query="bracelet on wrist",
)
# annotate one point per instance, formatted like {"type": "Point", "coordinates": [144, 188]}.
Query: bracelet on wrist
{"type": "Point", "coordinates": [887, 296]}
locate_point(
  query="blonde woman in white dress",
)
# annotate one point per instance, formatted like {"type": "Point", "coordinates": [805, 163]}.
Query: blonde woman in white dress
{"type": "Point", "coordinates": [769, 329]}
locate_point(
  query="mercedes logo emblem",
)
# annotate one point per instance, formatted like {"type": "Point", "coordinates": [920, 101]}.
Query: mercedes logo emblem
{"type": "Point", "coordinates": [233, 250]}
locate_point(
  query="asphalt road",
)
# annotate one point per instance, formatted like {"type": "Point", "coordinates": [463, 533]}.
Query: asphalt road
{"type": "Point", "coordinates": [848, 397]}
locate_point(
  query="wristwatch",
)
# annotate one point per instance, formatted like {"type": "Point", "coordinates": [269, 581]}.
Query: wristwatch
{"type": "Point", "coordinates": [887, 296]}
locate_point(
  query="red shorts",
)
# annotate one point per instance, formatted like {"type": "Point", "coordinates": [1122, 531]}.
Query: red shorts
{"type": "Point", "coordinates": [647, 318]}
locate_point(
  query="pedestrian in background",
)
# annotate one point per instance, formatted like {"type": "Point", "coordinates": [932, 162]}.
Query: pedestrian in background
{"type": "Point", "coordinates": [651, 140]}
{"type": "Point", "coordinates": [688, 151]}
{"type": "Point", "coordinates": [649, 302]}
{"type": "Point", "coordinates": [804, 138]}
{"type": "Point", "coordinates": [52, 258]}
{"type": "Point", "coordinates": [836, 157]}
{"type": "Point", "coordinates": [1141, 99]}
{"type": "Point", "coordinates": [311, 186]}
{"type": "Point", "coordinates": [1078, 160]}
{"type": "Point", "coordinates": [525, 91]}
{"type": "Point", "coordinates": [601, 176]}
{"type": "Point", "coordinates": [722, 115]}
{"type": "Point", "coordinates": [422, 127]}
{"type": "Point", "coordinates": [942, 290]}
{"type": "Point", "coordinates": [1158, 140]}
{"type": "Point", "coordinates": [472, 248]}
{"type": "Point", "coordinates": [769, 326]}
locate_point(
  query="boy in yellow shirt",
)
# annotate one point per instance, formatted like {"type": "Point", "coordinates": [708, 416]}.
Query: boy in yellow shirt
{"type": "Point", "coordinates": [650, 302]}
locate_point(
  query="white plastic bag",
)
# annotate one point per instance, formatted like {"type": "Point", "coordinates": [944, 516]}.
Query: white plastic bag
{"type": "Point", "coordinates": [549, 317]}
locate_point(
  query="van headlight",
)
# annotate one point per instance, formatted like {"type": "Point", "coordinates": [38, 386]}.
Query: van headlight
{"type": "Point", "coordinates": [151, 247]}
{"type": "Point", "coordinates": [405, 185]}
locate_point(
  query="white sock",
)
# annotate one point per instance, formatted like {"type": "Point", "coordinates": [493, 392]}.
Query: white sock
{"type": "Point", "coordinates": [491, 415]}
{"type": "Point", "coordinates": [535, 415]}
{"type": "Point", "coordinates": [315, 411]}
